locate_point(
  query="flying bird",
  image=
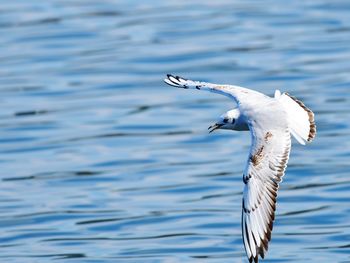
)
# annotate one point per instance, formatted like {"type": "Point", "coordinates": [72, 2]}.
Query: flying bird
{"type": "Point", "coordinates": [271, 122]}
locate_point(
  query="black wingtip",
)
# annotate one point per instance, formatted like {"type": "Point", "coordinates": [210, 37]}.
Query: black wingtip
{"type": "Point", "coordinates": [170, 83]}
{"type": "Point", "coordinates": [175, 81]}
{"type": "Point", "coordinates": [178, 78]}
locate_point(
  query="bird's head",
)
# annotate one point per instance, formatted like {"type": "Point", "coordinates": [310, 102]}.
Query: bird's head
{"type": "Point", "coordinates": [226, 121]}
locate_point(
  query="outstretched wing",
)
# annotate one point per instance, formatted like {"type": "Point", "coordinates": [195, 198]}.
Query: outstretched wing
{"type": "Point", "coordinates": [268, 157]}
{"type": "Point", "coordinates": [265, 167]}
{"type": "Point", "coordinates": [238, 94]}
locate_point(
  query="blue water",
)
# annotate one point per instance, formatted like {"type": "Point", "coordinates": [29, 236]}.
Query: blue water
{"type": "Point", "coordinates": [102, 162]}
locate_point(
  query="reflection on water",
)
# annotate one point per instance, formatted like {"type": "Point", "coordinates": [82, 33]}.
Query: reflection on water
{"type": "Point", "coordinates": [101, 162]}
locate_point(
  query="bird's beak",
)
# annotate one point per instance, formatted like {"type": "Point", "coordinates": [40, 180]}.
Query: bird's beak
{"type": "Point", "coordinates": [214, 127]}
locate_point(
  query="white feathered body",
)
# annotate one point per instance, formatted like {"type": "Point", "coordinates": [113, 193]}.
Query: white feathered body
{"type": "Point", "coordinates": [271, 122]}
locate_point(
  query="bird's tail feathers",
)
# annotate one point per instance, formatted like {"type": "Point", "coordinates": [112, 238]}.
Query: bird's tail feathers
{"type": "Point", "coordinates": [301, 119]}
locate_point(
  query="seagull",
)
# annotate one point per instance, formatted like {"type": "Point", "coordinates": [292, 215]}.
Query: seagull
{"type": "Point", "coordinates": [271, 122]}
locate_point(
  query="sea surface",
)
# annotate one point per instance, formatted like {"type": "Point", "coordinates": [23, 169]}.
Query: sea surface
{"type": "Point", "coordinates": [100, 161]}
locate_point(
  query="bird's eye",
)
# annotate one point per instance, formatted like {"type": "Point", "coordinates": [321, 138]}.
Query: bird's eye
{"type": "Point", "coordinates": [225, 120]}
{"type": "Point", "coordinates": [233, 121]}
